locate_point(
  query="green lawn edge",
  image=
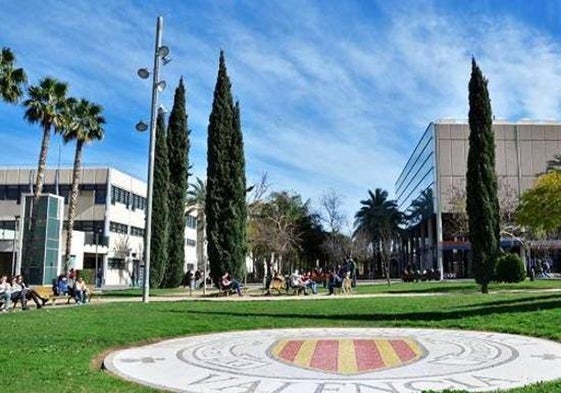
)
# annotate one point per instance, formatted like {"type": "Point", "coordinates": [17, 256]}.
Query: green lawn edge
{"type": "Point", "coordinates": [60, 349]}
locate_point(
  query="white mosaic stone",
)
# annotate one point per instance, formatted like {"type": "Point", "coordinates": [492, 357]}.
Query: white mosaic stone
{"type": "Point", "coordinates": [343, 360]}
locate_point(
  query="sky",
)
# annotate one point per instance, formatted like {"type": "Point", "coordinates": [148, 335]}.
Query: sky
{"type": "Point", "coordinates": [334, 94]}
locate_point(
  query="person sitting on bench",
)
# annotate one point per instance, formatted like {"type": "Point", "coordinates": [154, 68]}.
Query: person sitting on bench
{"type": "Point", "coordinates": [335, 281]}
{"type": "Point", "coordinates": [295, 282]}
{"type": "Point", "coordinates": [5, 293]}
{"type": "Point", "coordinates": [30, 293]}
{"type": "Point", "coordinates": [62, 288]}
{"type": "Point", "coordinates": [227, 283]}
{"type": "Point", "coordinates": [80, 291]}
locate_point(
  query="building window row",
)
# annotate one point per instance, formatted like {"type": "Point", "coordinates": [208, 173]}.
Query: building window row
{"type": "Point", "coordinates": [117, 227]}
{"type": "Point", "coordinates": [190, 242]}
{"type": "Point", "coordinates": [89, 226]}
{"type": "Point", "coordinates": [136, 231]}
{"type": "Point", "coordinates": [131, 200]}
{"type": "Point", "coordinates": [191, 222]}
{"type": "Point", "coordinates": [13, 192]}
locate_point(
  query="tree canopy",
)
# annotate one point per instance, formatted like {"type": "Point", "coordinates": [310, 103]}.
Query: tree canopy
{"type": "Point", "coordinates": [540, 206]}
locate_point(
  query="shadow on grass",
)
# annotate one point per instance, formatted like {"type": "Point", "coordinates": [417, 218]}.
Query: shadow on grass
{"type": "Point", "coordinates": [482, 310]}
{"type": "Point", "coordinates": [436, 289]}
{"type": "Point", "coordinates": [532, 299]}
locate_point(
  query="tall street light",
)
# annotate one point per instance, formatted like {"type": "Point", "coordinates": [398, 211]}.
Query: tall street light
{"type": "Point", "coordinates": [160, 54]}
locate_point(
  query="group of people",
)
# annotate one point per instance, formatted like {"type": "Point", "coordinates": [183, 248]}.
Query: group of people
{"type": "Point", "coordinates": [411, 274]}
{"type": "Point", "coordinates": [540, 268]}
{"type": "Point", "coordinates": [15, 290]}
{"type": "Point", "coordinates": [193, 279]}
{"type": "Point", "coordinates": [331, 278]}
{"type": "Point", "coordinates": [302, 282]}
{"type": "Point", "coordinates": [73, 285]}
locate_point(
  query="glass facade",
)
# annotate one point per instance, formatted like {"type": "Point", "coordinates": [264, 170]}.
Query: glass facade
{"type": "Point", "coordinates": [42, 237]}
{"type": "Point", "coordinates": [417, 180]}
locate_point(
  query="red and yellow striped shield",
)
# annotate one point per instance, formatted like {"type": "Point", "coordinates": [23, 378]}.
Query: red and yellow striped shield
{"type": "Point", "coordinates": [348, 355]}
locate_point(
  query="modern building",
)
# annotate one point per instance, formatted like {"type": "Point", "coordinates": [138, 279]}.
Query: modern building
{"type": "Point", "coordinates": [431, 187]}
{"type": "Point", "coordinates": [109, 227]}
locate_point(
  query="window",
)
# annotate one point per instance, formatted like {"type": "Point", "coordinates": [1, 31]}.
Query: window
{"type": "Point", "coordinates": [138, 202]}
{"type": "Point", "coordinates": [117, 227]}
{"type": "Point", "coordinates": [135, 231]}
{"type": "Point", "coordinates": [132, 201]}
{"type": "Point", "coordinates": [190, 243]}
{"type": "Point", "coordinates": [119, 195]}
{"type": "Point", "coordinates": [191, 222]}
{"type": "Point", "coordinates": [116, 263]}
{"type": "Point", "coordinates": [12, 192]}
{"type": "Point", "coordinates": [100, 194]}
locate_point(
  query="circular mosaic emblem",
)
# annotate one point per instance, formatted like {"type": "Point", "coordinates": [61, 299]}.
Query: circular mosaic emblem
{"type": "Point", "coordinates": [340, 360]}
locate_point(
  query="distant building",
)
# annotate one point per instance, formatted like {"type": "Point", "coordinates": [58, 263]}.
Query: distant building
{"type": "Point", "coordinates": [436, 171]}
{"type": "Point", "coordinates": [109, 226]}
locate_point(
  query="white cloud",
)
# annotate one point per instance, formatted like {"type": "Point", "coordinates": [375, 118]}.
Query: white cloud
{"type": "Point", "coordinates": [332, 97]}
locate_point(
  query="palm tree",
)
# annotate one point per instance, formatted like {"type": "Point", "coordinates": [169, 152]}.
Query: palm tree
{"type": "Point", "coordinates": [45, 105]}
{"type": "Point", "coordinates": [380, 219]}
{"type": "Point", "coordinates": [11, 79]}
{"type": "Point", "coordinates": [196, 198]}
{"type": "Point", "coordinates": [83, 123]}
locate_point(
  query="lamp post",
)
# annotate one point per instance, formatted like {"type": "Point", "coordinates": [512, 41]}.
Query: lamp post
{"type": "Point", "coordinates": [160, 53]}
{"type": "Point", "coordinates": [14, 243]}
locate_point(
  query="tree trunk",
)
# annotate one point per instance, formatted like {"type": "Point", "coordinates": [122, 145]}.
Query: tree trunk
{"type": "Point", "coordinates": [40, 179]}
{"type": "Point", "coordinates": [28, 255]}
{"type": "Point", "coordinates": [72, 204]}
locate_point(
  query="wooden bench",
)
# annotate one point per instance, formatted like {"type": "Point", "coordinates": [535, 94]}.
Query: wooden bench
{"type": "Point", "coordinates": [47, 292]}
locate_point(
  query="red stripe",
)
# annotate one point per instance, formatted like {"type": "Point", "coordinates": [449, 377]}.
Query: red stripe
{"type": "Point", "coordinates": [367, 355]}
{"type": "Point", "coordinates": [325, 355]}
{"type": "Point", "coordinates": [290, 350]}
{"type": "Point", "coordinates": [403, 350]}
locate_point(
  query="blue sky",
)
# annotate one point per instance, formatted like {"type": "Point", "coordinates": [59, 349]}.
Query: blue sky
{"type": "Point", "coordinates": [334, 94]}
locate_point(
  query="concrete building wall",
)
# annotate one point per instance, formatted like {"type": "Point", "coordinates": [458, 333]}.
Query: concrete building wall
{"type": "Point", "coordinates": [522, 151]}
{"type": "Point", "coordinates": [111, 204]}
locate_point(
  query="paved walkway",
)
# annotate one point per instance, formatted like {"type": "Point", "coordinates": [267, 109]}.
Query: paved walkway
{"type": "Point", "coordinates": [343, 360]}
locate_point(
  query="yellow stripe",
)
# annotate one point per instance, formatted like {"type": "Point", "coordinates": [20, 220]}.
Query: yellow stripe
{"type": "Point", "coordinates": [346, 360]}
{"type": "Point", "coordinates": [414, 346]}
{"type": "Point", "coordinates": [388, 354]}
{"type": "Point", "coordinates": [277, 349]}
{"type": "Point", "coordinates": [305, 353]}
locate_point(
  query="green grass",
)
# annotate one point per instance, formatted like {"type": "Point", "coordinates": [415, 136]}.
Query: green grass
{"type": "Point", "coordinates": [59, 349]}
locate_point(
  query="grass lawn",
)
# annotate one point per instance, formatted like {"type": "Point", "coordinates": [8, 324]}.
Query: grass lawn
{"type": "Point", "coordinates": [60, 349]}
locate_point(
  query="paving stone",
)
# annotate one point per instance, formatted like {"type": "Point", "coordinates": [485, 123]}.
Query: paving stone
{"type": "Point", "coordinates": [344, 360]}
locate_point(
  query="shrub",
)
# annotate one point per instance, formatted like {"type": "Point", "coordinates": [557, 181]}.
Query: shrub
{"type": "Point", "coordinates": [510, 268]}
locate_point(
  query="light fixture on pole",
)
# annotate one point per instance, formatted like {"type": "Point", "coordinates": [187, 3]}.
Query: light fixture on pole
{"type": "Point", "coordinates": [160, 52]}
{"type": "Point", "coordinates": [143, 73]}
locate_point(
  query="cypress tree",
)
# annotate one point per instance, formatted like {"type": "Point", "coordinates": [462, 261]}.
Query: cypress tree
{"type": "Point", "coordinates": [159, 237]}
{"type": "Point", "coordinates": [482, 204]}
{"type": "Point", "coordinates": [238, 192]}
{"type": "Point", "coordinates": [225, 202]}
{"type": "Point", "coordinates": [178, 150]}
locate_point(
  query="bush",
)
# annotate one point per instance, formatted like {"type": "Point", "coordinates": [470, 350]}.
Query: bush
{"type": "Point", "coordinates": [510, 268]}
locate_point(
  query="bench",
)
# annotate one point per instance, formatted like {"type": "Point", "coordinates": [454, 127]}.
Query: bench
{"type": "Point", "coordinates": [47, 292]}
